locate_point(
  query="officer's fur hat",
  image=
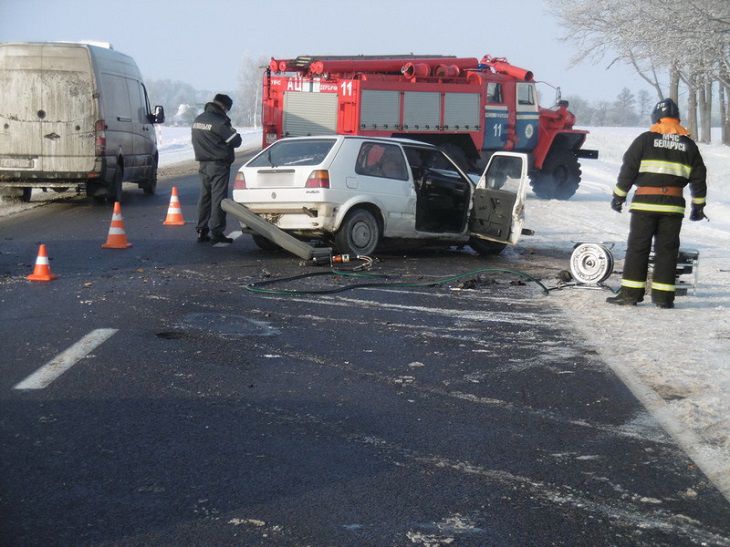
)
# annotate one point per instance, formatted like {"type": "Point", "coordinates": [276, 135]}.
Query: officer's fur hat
{"type": "Point", "coordinates": [224, 100]}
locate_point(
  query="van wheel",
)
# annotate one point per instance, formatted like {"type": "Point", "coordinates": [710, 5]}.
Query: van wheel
{"type": "Point", "coordinates": [114, 190]}
{"type": "Point", "coordinates": [27, 191]}
{"type": "Point", "coordinates": [359, 233]}
{"type": "Point", "coordinates": [150, 185]}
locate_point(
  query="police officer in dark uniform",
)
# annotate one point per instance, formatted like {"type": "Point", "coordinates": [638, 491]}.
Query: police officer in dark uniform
{"type": "Point", "coordinates": [660, 162]}
{"type": "Point", "coordinates": [213, 142]}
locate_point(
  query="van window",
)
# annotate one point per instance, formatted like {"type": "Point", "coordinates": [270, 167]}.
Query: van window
{"type": "Point", "coordinates": [146, 99]}
{"type": "Point", "coordinates": [137, 103]}
{"type": "Point", "coordinates": [308, 152]}
{"type": "Point", "coordinates": [381, 160]}
{"type": "Point", "coordinates": [116, 97]}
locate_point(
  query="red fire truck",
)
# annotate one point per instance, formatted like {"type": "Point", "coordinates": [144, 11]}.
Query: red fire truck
{"type": "Point", "coordinates": [469, 107]}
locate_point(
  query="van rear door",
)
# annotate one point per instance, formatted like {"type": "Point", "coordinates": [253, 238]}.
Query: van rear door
{"type": "Point", "coordinates": [68, 109]}
{"type": "Point", "coordinates": [21, 76]}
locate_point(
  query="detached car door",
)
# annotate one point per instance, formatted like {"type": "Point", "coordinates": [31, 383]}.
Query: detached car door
{"type": "Point", "coordinates": [498, 202]}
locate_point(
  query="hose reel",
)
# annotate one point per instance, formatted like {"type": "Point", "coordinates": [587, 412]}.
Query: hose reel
{"type": "Point", "coordinates": [591, 263]}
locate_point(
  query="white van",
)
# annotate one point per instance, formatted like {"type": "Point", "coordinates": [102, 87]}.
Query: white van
{"type": "Point", "coordinates": [74, 115]}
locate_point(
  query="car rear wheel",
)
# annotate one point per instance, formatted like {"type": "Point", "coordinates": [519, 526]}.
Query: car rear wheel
{"type": "Point", "coordinates": [485, 247]}
{"type": "Point", "coordinates": [264, 243]}
{"type": "Point", "coordinates": [359, 233]}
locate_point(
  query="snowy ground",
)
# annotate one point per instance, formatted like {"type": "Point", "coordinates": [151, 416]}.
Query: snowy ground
{"type": "Point", "coordinates": [174, 143]}
{"type": "Point", "coordinates": [676, 361]}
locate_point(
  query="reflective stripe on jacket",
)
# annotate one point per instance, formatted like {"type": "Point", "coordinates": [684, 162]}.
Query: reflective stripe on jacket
{"type": "Point", "coordinates": [656, 159]}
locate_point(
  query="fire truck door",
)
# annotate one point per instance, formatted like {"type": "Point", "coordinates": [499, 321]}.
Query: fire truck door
{"type": "Point", "coordinates": [528, 117]}
{"type": "Point", "coordinates": [498, 202]}
{"type": "Point", "coordinates": [495, 118]}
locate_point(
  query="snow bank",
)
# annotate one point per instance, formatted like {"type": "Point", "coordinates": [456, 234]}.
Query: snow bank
{"type": "Point", "coordinates": [175, 146]}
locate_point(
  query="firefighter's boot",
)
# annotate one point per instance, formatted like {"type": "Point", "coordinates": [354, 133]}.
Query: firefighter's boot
{"type": "Point", "coordinates": [625, 298]}
{"type": "Point", "coordinates": [664, 303]}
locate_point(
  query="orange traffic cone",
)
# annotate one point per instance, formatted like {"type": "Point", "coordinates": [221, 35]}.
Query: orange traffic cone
{"type": "Point", "coordinates": [117, 238]}
{"type": "Point", "coordinates": [42, 270]}
{"type": "Point", "coordinates": [174, 212]}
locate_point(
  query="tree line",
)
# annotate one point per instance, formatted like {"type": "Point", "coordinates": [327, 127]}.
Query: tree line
{"type": "Point", "coordinates": [183, 102]}
{"type": "Point", "coordinates": [681, 49]}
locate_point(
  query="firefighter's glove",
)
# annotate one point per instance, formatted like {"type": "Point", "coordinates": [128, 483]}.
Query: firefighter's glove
{"type": "Point", "coordinates": [617, 204]}
{"type": "Point", "coordinates": [697, 213]}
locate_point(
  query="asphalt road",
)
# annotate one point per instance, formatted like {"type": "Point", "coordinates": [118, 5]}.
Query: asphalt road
{"type": "Point", "coordinates": [461, 414]}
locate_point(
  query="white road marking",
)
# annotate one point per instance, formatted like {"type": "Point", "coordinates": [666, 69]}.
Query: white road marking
{"type": "Point", "coordinates": [43, 377]}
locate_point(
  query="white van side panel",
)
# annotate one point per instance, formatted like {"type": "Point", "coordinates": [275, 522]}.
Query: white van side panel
{"type": "Point", "coordinates": [124, 109]}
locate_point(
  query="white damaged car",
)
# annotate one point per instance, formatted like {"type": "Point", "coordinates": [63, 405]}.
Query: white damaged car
{"type": "Point", "coordinates": [355, 192]}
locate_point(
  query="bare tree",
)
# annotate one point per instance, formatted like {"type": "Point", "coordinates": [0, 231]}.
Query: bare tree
{"type": "Point", "coordinates": [688, 41]}
{"type": "Point", "coordinates": [644, 104]}
{"type": "Point", "coordinates": [248, 92]}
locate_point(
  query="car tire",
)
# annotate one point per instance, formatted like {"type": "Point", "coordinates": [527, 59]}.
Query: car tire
{"type": "Point", "coordinates": [359, 234]}
{"type": "Point", "coordinates": [486, 248]}
{"type": "Point", "coordinates": [264, 244]}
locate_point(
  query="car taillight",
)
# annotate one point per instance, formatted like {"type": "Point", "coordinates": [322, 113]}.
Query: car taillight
{"type": "Point", "coordinates": [100, 141]}
{"type": "Point", "coordinates": [318, 179]}
{"type": "Point", "coordinates": [240, 182]}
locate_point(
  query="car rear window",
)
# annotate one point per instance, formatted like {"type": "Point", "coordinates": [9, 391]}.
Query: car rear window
{"type": "Point", "coordinates": [293, 153]}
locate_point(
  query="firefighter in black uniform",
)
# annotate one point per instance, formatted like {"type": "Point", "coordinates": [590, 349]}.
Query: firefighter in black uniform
{"type": "Point", "coordinates": [213, 142]}
{"type": "Point", "coordinates": [660, 162]}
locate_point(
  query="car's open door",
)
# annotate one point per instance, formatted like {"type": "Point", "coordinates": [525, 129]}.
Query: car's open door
{"type": "Point", "coordinates": [498, 203]}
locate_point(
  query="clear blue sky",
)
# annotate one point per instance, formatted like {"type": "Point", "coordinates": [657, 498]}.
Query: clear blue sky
{"type": "Point", "coordinates": [203, 42]}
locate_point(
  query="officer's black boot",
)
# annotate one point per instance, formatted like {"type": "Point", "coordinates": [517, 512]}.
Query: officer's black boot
{"type": "Point", "coordinates": [220, 238]}
{"type": "Point", "coordinates": [625, 298]}
{"type": "Point", "coordinates": [203, 235]}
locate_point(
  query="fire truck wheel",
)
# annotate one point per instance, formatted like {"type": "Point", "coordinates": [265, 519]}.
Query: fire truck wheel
{"type": "Point", "coordinates": [559, 177]}
{"type": "Point", "coordinates": [359, 233]}
{"type": "Point", "coordinates": [486, 248]}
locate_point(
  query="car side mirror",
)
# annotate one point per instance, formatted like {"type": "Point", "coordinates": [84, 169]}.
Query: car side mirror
{"type": "Point", "coordinates": [158, 115]}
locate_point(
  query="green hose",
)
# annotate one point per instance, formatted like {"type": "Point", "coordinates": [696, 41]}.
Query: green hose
{"type": "Point", "coordinates": [258, 287]}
